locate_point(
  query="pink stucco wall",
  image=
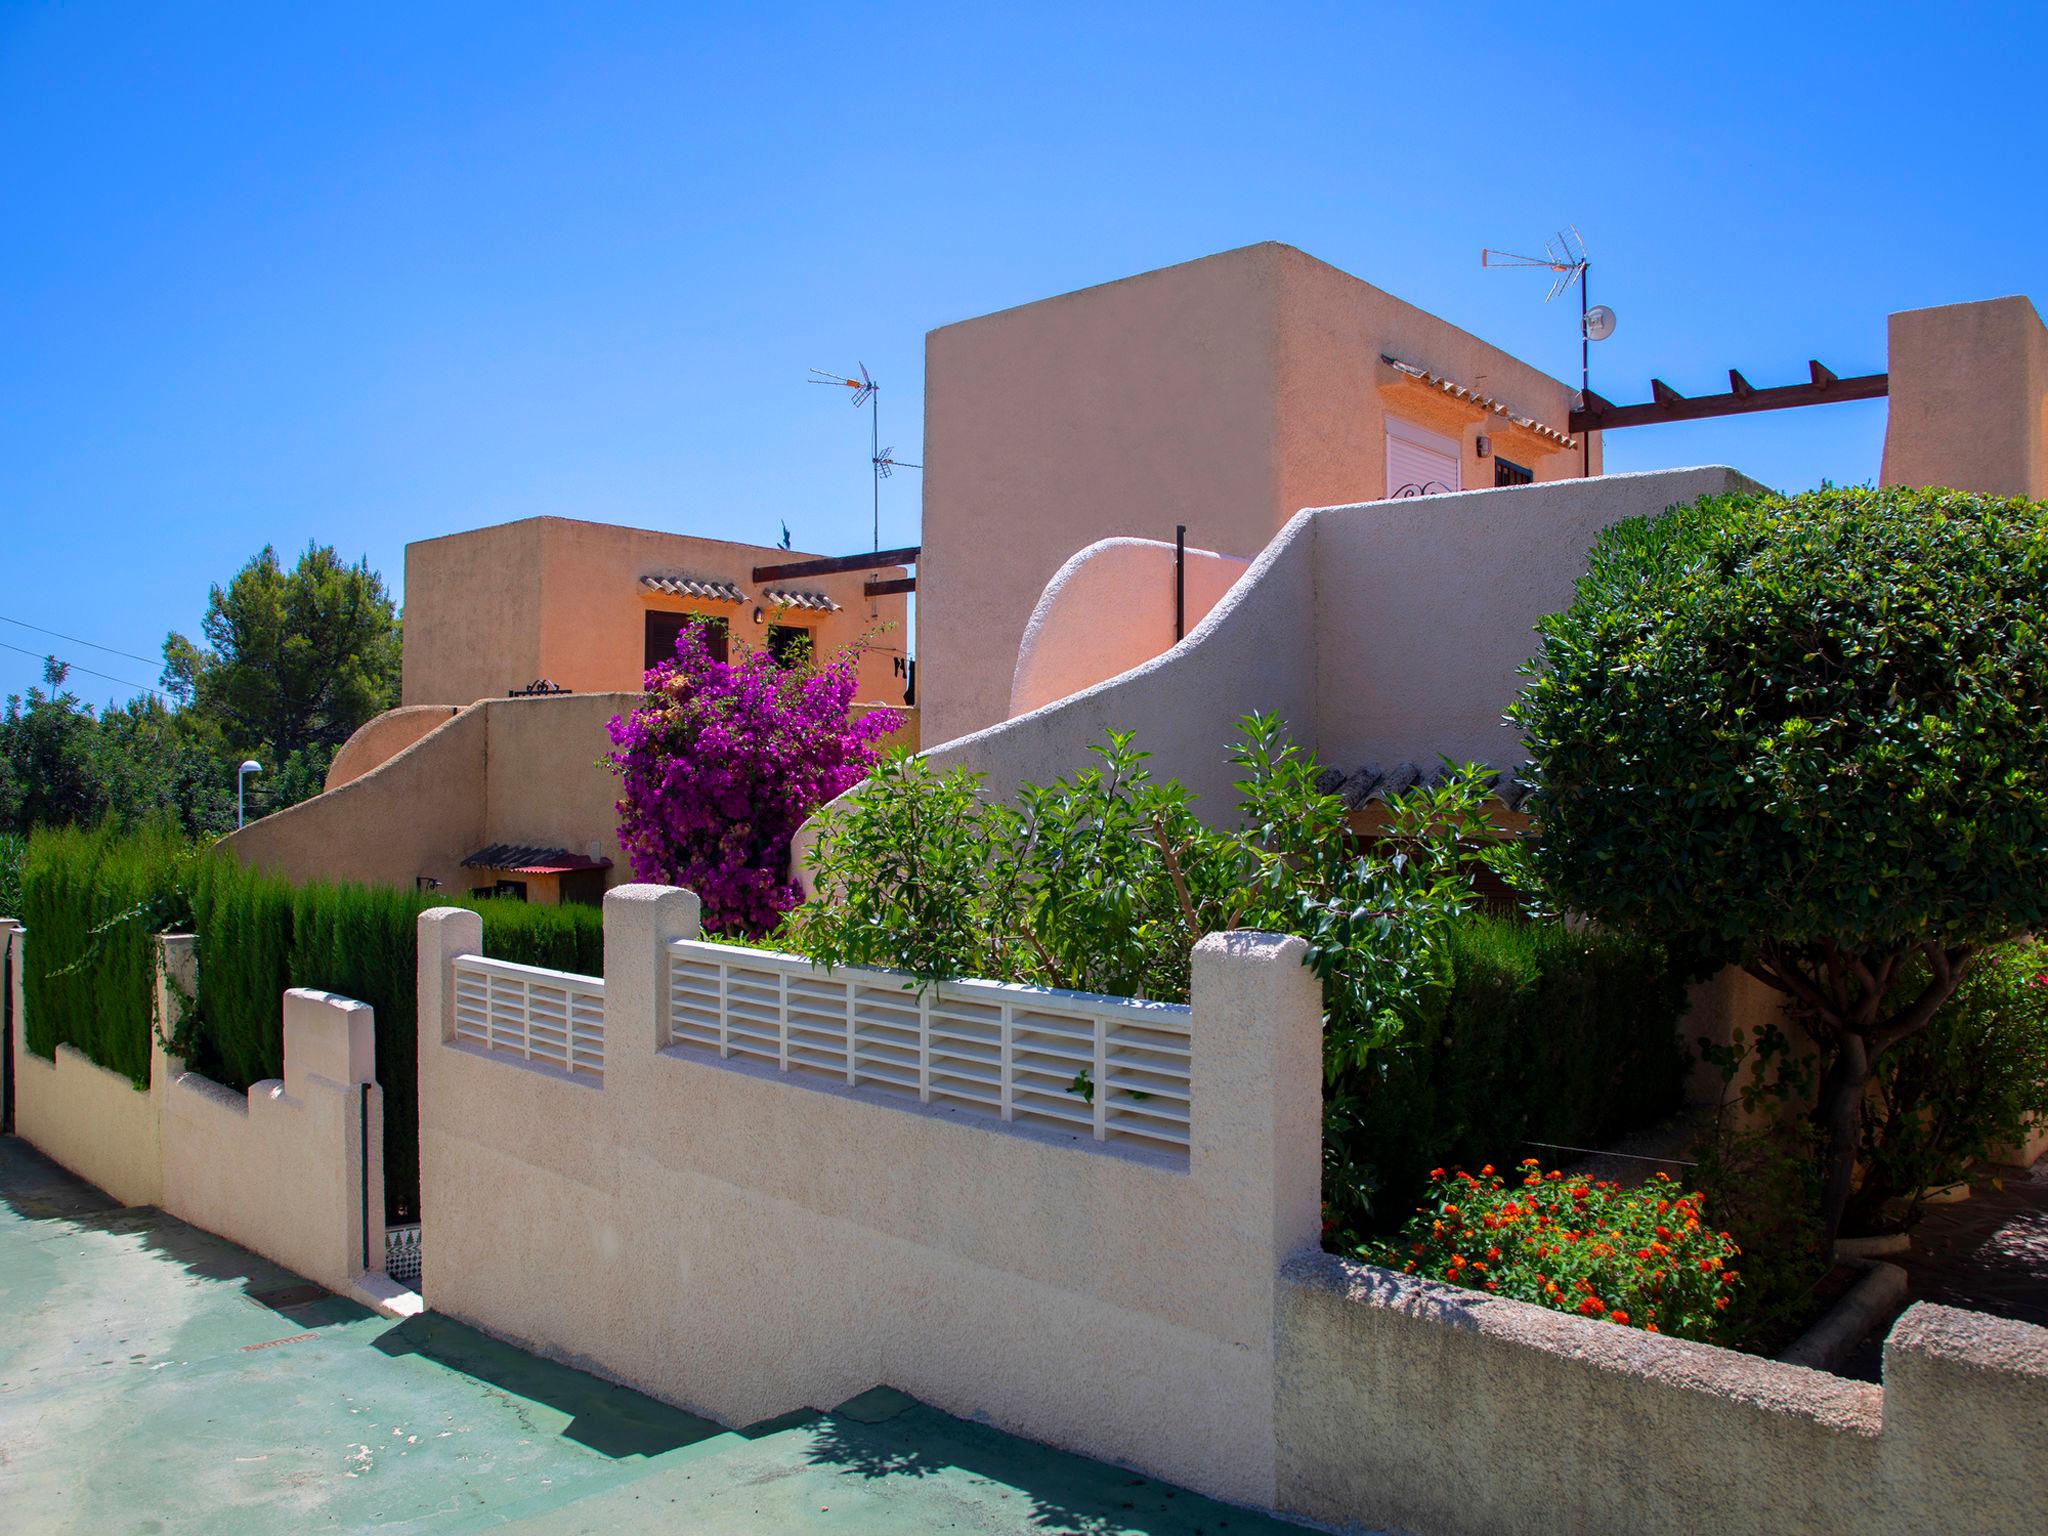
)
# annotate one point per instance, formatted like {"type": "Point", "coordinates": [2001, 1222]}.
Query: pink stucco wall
{"type": "Point", "coordinates": [1108, 609]}
{"type": "Point", "coordinates": [553, 597]}
{"type": "Point", "coordinates": [1969, 398]}
{"type": "Point", "coordinates": [1224, 394]}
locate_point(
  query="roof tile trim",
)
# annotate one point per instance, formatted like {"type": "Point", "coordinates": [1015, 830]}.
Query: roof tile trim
{"type": "Point", "coordinates": [711, 589]}
{"type": "Point", "coordinates": [1486, 403]}
{"type": "Point", "coordinates": [794, 597]}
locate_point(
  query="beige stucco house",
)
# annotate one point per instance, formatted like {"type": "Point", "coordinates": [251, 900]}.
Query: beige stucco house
{"type": "Point", "coordinates": [590, 606]}
{"type": "Point", "coordinates": [521, 642]}
{"type": "Point", "coordinates": [1223, 395]}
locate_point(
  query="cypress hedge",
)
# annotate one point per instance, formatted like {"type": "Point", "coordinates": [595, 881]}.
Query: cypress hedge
{"type": "Point", "coordinates": [258, 935]}
{"type": "Point", "coordinates": [1545, 1033]}
{"type": "Point", "coordinates": [95, 901]}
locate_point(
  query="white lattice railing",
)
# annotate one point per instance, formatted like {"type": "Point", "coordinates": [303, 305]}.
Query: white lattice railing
{"type": "Point", "coordinates": [1111, 1067]}
{"type": "Point", "coordinates": [551, 1017]}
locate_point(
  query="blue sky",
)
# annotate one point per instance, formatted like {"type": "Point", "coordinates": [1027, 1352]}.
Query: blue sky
{"type": "Point", "coordinates": [365, 274]}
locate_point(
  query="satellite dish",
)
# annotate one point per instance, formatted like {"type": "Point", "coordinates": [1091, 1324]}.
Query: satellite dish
{"type": "Point", "coordinates": [1599, 323]}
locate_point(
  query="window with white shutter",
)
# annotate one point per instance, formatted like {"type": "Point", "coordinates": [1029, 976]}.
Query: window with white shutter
{"type": "Point", "coordinates": [1419, 462]}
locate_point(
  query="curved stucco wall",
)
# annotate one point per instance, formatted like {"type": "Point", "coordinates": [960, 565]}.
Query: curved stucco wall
{"type": "Point", "coordinates": [1108, 609]}
{"type": "Point", "coordinates": [382, 737]}
{"type": "Point", "coordinates": [499, 771]}
{"type": "Point", "coordinates": [1388, 630]}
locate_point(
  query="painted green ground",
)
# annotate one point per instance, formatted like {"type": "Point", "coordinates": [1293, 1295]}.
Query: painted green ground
{"type": "Point", "coordinates": [156, 1379]}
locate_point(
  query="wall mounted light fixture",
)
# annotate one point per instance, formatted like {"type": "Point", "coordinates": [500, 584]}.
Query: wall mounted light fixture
{"type": "Point", "coordinates": [1485, 447]}
{"type": "Point", "coordinates": [757, 616]}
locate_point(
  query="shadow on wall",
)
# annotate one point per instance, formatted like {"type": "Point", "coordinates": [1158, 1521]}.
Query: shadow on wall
{"type": "Point", "coordinates": [885, 1434]}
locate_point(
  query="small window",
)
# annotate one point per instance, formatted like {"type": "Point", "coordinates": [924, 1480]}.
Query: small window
{"type": "Point", "coordinates": [505, 890]}
{"type": "Point", "coordinates": [789, 644]}
{"type": "Point", "coordinates": [663, 628]}
{"type": "Point", "coordinates": [1508, 472]}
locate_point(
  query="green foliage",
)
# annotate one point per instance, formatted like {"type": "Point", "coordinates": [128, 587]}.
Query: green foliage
{"type": "Point", "coordinates": [93, 903]}
{"type": "Point", "coordinates": [1805, 735]}
{"type": "Point", "coordinates": [1104, 882]}
{"type": "Point", "coordinates": [13, 849]}
{"type": "Point", "coordinates": [1770, 721]}
{"type": "Point", "coordinates": [62, 765]}
{"type": "Point", "coordinates": [258, 935]}
{"type": "Point", "coordinates": [1539, 1032]}
{"type": "Point", "coordinates": [1643, 1257]}
{"type": "Point", "coordinates": [1973, 1079]}
{"type": "Point", "coordinates": [1764, 1187]}
{"type": "Point", "coordinates": [293, 662]}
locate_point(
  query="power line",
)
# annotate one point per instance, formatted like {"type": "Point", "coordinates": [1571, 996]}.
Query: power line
{"type": "Point", "coordinates": [75, 667]}
{"type": "Point", "coordinates": [147, 661]}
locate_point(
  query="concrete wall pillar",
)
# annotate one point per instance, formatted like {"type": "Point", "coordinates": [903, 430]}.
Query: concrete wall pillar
{"type": "Point", "coordinates": [1257, 1026]}
{"type": "Point", "coordinates": [1969, 398]}
{"type": "Point", "coordinates": [638, 921]}
{"type": "Point", "coordinates": [10, 1000]}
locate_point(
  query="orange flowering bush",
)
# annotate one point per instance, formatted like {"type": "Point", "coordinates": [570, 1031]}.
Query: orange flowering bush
{"type": "Point", "coordinates": [1643, 1257]}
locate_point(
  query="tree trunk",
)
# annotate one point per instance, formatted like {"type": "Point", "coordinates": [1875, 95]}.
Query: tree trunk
{"type": "Point", "coordinates": [1840, 1118]}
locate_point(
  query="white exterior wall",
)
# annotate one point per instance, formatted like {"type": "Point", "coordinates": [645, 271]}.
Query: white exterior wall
{"type": "Point", "coordinates": [746, 1244]}
{"type": "Point", "coordinates": [1390, 630]}
{"type": "Point", "coordinates": [281, 1170]}
{"type": "Point", "coordinates": [95, 1122]}
{"type": "Point", "coordinates": [1412, 1404]}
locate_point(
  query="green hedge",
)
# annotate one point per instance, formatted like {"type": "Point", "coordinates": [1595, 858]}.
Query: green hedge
{"type": "Point", "coordinates": [258, 935]}
{"type": "Point", "coordinates": [1545, 1033]}
{"type": "Point", "coordinates": [94, 902]}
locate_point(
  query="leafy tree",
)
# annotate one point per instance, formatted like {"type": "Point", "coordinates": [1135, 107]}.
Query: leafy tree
{"type": "Point", "coordinates": [62, 765]}
{"type": "Point", "coordinates": [1806, 736]}
{"type": "Point", "coordinates": [293, 662]}
{"type": "Point", "coordinates": [50, 772]}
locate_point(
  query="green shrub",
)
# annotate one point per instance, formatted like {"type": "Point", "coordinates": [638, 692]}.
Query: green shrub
{"type": "Point", "coordinates": [258, 935]}
{"type": "Point", "coordinates": [1805, 735]}
{"type": "Point", "coordinates": [1541, 1033]}
{"type": "Point", "coordinates": [1973, 1079]}
{"type": "Point", "coordinates": [13, 848]}
{"type": "Point", "coordinates": [1447, 1033]}
{"type": "Point", "coordinates": [1645, 1257]}
{"type": "Point", "coordinates": [94, 902]}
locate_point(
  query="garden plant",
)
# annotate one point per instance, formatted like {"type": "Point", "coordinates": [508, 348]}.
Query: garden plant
{"type": "Point", "coordinates": [1644, 1256]}
{"type": "Point", "coordinates": [725, 761]}
{"type": "Point", "coordinates": [1446, 1030]}
{"type": "Point", "coordinates": [1804, 735]}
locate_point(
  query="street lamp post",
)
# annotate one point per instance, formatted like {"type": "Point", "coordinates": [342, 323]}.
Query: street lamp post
{"type": "Point", "coordinates": [249, 766]}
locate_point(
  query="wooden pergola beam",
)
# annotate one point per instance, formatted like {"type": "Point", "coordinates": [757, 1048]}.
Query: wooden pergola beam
{"type": "Point", "coordinates": [1667, 404]}
{"type": "Point", "coordinates": [884, 588]}
{"type": "Point", "coordinates": [838, 563]}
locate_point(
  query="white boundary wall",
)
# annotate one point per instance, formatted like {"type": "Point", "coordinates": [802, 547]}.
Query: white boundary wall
{"type": "Point", "coordinates": [747, 1242]}
{"type": "Point", "coordinates": [280, 1169]}
{"type": "Point", "coordinates": [1413, 1404]}
{"type": "Point", "coordinates": [746, 1237]}
{"type": "Point", "coordinates": [95, 1122]}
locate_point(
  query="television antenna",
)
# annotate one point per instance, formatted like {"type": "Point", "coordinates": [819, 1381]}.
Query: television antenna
{"type": "Point", "coordinates": [1564, 256]}
{"type": "Point", "coordinates": [882, 462]}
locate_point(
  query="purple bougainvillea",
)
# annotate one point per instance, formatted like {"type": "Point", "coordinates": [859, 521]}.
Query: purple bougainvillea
{"type": "Point", "coordinates": [724, 762]}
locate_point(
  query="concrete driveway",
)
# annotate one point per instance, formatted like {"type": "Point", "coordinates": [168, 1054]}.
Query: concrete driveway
{"type": "Point", "coordinates": [154, 1378]}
